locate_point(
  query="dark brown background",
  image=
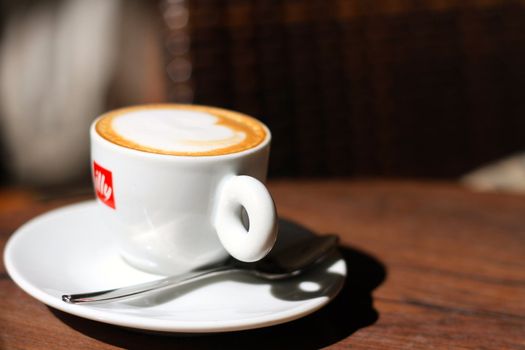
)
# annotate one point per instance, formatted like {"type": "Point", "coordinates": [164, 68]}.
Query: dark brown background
{"type": "Point", "coordinates": [389, 88]}
{"type": "Point", "coordinates": [382, 88]}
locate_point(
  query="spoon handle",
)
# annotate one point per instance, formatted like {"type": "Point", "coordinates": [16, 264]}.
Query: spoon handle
{"type": "Point", "coordinates": [143, 288]}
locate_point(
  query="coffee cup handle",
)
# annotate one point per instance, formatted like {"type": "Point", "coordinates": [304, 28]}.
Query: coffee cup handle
{"type": "Point", "coordinates": [252, 244]}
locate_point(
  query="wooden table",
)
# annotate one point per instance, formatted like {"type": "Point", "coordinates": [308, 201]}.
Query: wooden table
{"type": "Point", "coordinates": [431, 265]}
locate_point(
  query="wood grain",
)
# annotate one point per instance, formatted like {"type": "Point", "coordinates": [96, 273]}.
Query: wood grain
{"type": "Point", "coordinates": [431, 265]}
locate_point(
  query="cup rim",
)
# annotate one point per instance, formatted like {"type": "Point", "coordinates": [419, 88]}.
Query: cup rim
{"type": "Point", "coordinates": [96, 137]}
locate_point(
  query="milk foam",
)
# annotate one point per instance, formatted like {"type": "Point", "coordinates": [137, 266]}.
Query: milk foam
{"type": "Point", "coordinates": [176, 130]}
{"type": "Point", "coordinates": [187, 130]}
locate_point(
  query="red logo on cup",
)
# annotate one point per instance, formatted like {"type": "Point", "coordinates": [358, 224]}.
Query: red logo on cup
{"type": "Point", "coordinates": [103, 185]}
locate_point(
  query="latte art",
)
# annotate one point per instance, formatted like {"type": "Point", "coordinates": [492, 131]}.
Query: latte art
{"type": "Point", "coordinates": [185, 130]}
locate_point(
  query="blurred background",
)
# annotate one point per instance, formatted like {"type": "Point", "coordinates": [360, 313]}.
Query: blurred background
{"type": "Point", "coordinates": [388, 88]}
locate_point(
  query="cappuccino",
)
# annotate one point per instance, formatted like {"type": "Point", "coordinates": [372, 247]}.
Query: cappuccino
{"type": "Point", "coordinates": [170, 181]}
{"type": "Point", "coordinates": [181, 130]}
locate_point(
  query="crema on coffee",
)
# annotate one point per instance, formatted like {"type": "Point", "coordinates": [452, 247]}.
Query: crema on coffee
{"type": "Point", "coordinates": [184, 130]}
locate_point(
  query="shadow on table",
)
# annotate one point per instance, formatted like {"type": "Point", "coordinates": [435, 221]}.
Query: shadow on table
{"type": "Point", "coordinates": [351, 310]}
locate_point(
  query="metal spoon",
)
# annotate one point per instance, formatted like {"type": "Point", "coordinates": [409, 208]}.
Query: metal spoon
{"type": "Point", "coordinates": [288, 262]}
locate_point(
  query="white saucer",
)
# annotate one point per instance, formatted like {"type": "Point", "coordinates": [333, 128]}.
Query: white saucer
{"type": "Point", "coordinates": [68, 251]}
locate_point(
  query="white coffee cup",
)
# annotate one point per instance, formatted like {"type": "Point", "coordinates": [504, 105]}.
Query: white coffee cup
{"type": "Point", "coordinates": [170, 213]}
